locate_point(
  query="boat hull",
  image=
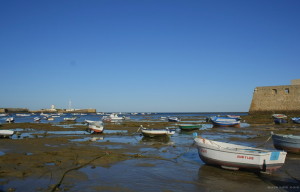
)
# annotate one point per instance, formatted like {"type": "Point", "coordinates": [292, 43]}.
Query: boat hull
{"type": "Point", "coordinates": [296, 120]}
{"type": "Point", "coordinates": [70, 119]}
{"type": "Point", "coordinates": [280, 121]}
{"type": "Point", "coordinates": [96, 127]}
{"type": "Point", "coordinates": [225, 122]}
{"type": "Point", "coordinates": [6, 133]}
{"type": "Point", "coordinates": [189, 127]}
{"type": "Point", "coordinates": [157, 132]}
{"type": "Point", "coordinates": [287, 143]}
{"type": "Point", "coordinates": [237, 157]}
{"type": "Point", "coordinates": [173, 119]}
{"type": "Point", "coordinates": [222, 124]}
{"type": "Point", "coordinates": [239, 166]}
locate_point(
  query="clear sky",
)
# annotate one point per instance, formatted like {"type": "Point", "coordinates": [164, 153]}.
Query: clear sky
{"type": "Point", "coordinates": [146, 55]}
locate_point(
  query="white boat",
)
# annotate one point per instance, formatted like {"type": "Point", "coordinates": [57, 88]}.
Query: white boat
{"type": "Point", "coordinates": [235, 157]}
{"type": "Point", "coordinates": [6, 133]}
{"type": "Point", "coordinates": [173, 119]}
{"type": "Point", "coordinates": [23, 115]}
{"type": "Point", "coordinates": [156, 132]}
{"type": "Point", "coordinates": [112, 117]}
{"type": "Point", "coordinates": [36, 119]}
{"type": "Point", "coordinates": [95, 126]}
{"type": "Point", "coordinates": [3, 114]}
{"type": "Point", "coordinates": [50, 118]}
{"type": "Point", "coordinates": [70, 118]}
{"type": "Point", "coordinates": [10, 120]}
{"type": "Point", "coordinates": [279, 116]}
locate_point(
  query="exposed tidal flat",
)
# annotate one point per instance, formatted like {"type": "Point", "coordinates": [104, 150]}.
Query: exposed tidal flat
{"type": "Point", "coordinates": [62, 156]}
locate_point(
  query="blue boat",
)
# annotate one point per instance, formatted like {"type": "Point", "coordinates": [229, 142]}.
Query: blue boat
{"type": "Point", "coordinates": [280, 120]}
{"type": "Point", "coordinates": [289, 143]}
{"type": "Point", "coordinates": [296, 120]}
{"type": "Point", "coordinates": [225, 122]}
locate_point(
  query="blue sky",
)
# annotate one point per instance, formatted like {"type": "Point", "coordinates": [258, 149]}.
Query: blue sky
{"type": "Point", "coordinates": [146, 55]}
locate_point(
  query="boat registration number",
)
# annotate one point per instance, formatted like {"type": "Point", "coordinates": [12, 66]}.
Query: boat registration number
{"type": "Point", "coordinates": [244, 157]}
{"type": "Point", "coordinates": [203, 151]}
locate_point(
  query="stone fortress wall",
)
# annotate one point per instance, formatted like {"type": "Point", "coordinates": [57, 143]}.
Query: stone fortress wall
{"type": "Point", "coordinates": [276, 99]}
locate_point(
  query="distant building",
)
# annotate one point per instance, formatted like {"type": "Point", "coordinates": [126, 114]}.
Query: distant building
{"type": "Point", "coordinates": [276, 99]}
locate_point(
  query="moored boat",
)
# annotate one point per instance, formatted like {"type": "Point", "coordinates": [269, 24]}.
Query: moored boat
{"type": "Point", "coordinates": [235, 157]}
{"type": "Point", "coordinates": [112, 117]}
{"type": "Point", "coordinates": [187, 127]}
{"type": "Point", "coordinates": [36, 119]}
{"type": "Point", "coordinates": [280, 120]}
{"type": "Point", "coordinates": [279, 116]}
{"type": "Point", "coordinates": [296, 120]}
{"type": "Point", "coordinates": [6, 133]}
{"type": "Point", "coordinates": [23, 115]}
{"type": "Point", "coordinates": [225, 122]}
{"type": "Point", "coordinates": [95, 126]}
{"type": "Point", "coordinates": [50, 118]}
{"type": "Point", "coordinates": [149, 132]}
{"type": "Point", "coordinates": [10, 120]}
{"type": "Point", "coordinates": [70, 118]}
{"type": "Point", "coordinates": [173, 119]}
{"type": "Point", "coordinates": [289, 143]}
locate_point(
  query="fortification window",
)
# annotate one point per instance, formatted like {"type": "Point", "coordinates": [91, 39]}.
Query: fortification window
{"type": "Point", "coordinates": [274, 91]}
{"type": "Point", "coordinates": [287, 90]}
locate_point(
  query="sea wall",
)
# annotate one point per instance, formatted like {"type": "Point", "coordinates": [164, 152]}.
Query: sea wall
{"type": "Point", "coordinates": [65, 111]}
{"type": "Point", "coordinates": [276, 99]}
{"type": "Point", "coordinates": [14, 110]}
{"type": "Point", "coordinates": [24, 110]}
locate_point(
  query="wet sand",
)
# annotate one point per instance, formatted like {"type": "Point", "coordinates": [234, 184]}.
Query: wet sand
{"type": "Point", "coordinates": [122, 160]}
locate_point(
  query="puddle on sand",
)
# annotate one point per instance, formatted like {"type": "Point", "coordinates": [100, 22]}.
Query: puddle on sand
{"type": "Point", "coordinates": [2, 153]}
{"type": "Point", "coordinates": [50, 164]}
{"type": "Point", "coordinates": [113, 139]}
{"type": "Point", "coordinates": [27, 184]}
{"type": "Point", "coordinates": [137, 175]}
{"type": "Point", "coordinates": [68, 132]}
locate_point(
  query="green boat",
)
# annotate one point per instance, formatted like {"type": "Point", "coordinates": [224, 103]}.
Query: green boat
{"type": "Point", "coordinates": [189, 126]}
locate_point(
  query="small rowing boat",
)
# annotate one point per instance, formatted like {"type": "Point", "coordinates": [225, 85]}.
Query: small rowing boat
{"type": "Point", "coordinates": [235, 157]}
{"type": "Point", "coordinates": [95, 126]}
{"type": "Point", "coordinates": [225, 122]}
{"type": "Point", "coordinates": [70, 118]}
{"type": "Point", "coordinates": [296, 120]}
{"type": "Point", "coordinates": [156, 132]}
{"type": "Point", "coordinates": [173, 119]}
{"type": "Point", "coordinates": [6, 133]}
{"type": "Point", "coordinates": [289, 143]}
{"type": "Point", "coordinates": [10, 120]}
{"type": "Point", "coordinates": [188, 127]}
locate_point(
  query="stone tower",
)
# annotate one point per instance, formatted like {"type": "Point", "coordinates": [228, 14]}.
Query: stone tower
{"type": "Point", "coordinates": [276, 99]}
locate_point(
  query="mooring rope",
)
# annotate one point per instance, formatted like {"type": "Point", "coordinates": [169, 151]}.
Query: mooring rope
{"type": "Point", "coordinates": [75, 168]}
{"type": "Point", "coordinates": [264, 142]}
